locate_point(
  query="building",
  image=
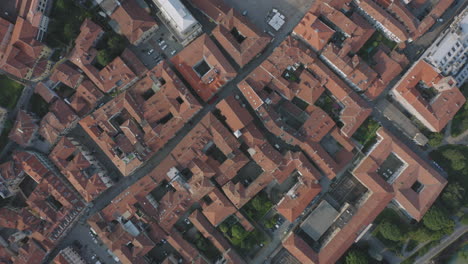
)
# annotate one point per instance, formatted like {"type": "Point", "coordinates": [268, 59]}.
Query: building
{"type": "Point", "coordinates": [450, 49]}
{"type": "Point", "coordinates": [81, 169]}
{"type": "Point", "coordinates": [432, 98]}
{"type": "Point", "coordinates": [138, 122]}
{"type": "Point", "coordinates": [338, 33]}
{"type": "Point", "coordinates": [66, 74]}
{"type": "Point", "coordinates": [11, 177]}
{"type": "Point", "coordinates": [69, 255]}
{"type": "Point", "coordinates": [392, 166]}
{"type": "Point", "coordinates": [390, 171]}
{"type": "Point", "coordinates": [285, 91]}
{"type": "Point", "coordinates": [58, 121]}
{"type": "Point", "coordinates": [52, 204]}
{"type": "Point", "coordinates": [396, 21]}
{"type": "Point", "coordinates": [133, 22]}
{"type": "Point", "coordinates": [240, 38]}
{"type": "Point", "coordinates": [85, 99]}
{"type": "Point", "coordinates": [204, 67]}
{"type": "Point", "coordinates": [22, 53]}
{"type": "Point", "coordinates": [25, 129]}
{"type": "Point", "coordinates": [179, 20]}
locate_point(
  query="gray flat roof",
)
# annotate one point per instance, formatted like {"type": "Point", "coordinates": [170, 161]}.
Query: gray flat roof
{"type": "Point", "coordinates": [317, 223]}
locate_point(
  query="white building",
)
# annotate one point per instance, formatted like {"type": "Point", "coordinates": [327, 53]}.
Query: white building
{"type": "Point", "coordinates": [449, 52]}
{"type": "Point", "coordinates": [179, 20]}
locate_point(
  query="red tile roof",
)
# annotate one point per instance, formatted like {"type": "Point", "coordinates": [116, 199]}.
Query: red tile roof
{"type": "Point", "coordinates": [79, 167]}
{"type": "Point", "coordinates": [45, 92]}
{"type": "Point", "coordinates": [254, 41]}
{"type": "Point", "coordinates": [86, 98]}
{"type": "Point", "coordinates": [23, 50]}
{"type": "Point", "coordinates": [25, 129]}
{"type": "Point", "coordinates": [436, 113]}
{"type": "Point", "coordinates": [313, 31]}
{"type": "Point", "coordinates": [148, 118]}
{"type": "Point", "coordinates": [214, 9]}
{"type": "Point", "coordinates": [203, 49]}
{"type": "Point", "coordinates": [54, 123]}
{"type": "Point", "coordinates": [219, 208]}
{"type": "Point", "coordinates": [133, 20]}
{"type": "Point", "coordinates": [67, 75]}
{"type": "Point", "coordinates": [415, 169]}
{"type": "Point", "coordinates": [237, 117]}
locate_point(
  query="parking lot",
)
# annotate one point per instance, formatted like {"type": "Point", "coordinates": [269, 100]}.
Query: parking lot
{"type": "Point", "coordinates": [257, 10]}
{"type": "Point", "coordinates": [162, 45]}
{"type": "Point", "coordinates": [92, 248]}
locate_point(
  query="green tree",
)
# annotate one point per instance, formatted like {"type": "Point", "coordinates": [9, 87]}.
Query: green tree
{"type": "Point", "coordinates": [463, 254]}
{"type": "Point", "coordinates": [69, 31]}
{"type": "Point", "coordinates": [436, 219]}
{"type": "Point", "coordinates": [356, 257]}
{"type": "Point", "coordinates": [103, 57]}
{"type": "Point", "coordinates": [464, 219]}
{"type": "Point", "coordinates": [453, 195]}
{"type": "Point", "coordinates": [435, 139]}
{"type": "Point", "coordinates": [390, 231]}
{"type": "Point", "coordinates": [116, 43]}
{"type": "Point", "coordinates": [201, 244]}
{"type": "Point", "coordinates": [237, 231]}
{"type": "Point", "coordinates": [224, 228]}
{"type": "Point", "coordinates": [422, 234]}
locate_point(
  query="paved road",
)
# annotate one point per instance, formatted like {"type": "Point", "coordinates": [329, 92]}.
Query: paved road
{"type": "Point", "coordinates": [459, 231]}
{"type": "Point", "coordinates": [104, 199]}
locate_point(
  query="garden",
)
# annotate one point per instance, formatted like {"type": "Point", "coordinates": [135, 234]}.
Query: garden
{"type": "Point", "coordinates": [258, 206]}
{"type": "Point", "coordinates": [11, 92]}
{"type": "Point", "coordinates": [206, 247]}
{"type": "Point", "coordinates": [64, 27]}
{"type": "Point", "coordinates": [370, 47]}
{"type": "Point", "coordinates": [241, 238]}
{"type": "Point", "coordinates": [109, 47]}
{"type": "Point", "coordinates": [366, 134]}
{"type": "Point", "coordinates": [330, 106]}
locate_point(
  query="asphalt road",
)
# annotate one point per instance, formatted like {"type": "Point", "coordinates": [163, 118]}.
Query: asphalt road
{"type": "Point", "coordinates": [105, 198]}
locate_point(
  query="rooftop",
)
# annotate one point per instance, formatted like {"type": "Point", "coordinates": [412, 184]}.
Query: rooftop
{"type": "Point", "coordinates": [436, 113]}
{"type": "Point", "coordinates": [217, 71]}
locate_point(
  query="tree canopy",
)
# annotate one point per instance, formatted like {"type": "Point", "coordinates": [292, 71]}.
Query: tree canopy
{"type": "Point", "coordinates": [390, 231]}
{"type": "Point", "coordinates": [436, 219]}
{"type": "Point", "coordinates": [356, 257]}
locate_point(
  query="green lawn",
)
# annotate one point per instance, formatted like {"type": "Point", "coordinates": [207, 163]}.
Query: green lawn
{"type": "Point", "coordinates": [10, 92]}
